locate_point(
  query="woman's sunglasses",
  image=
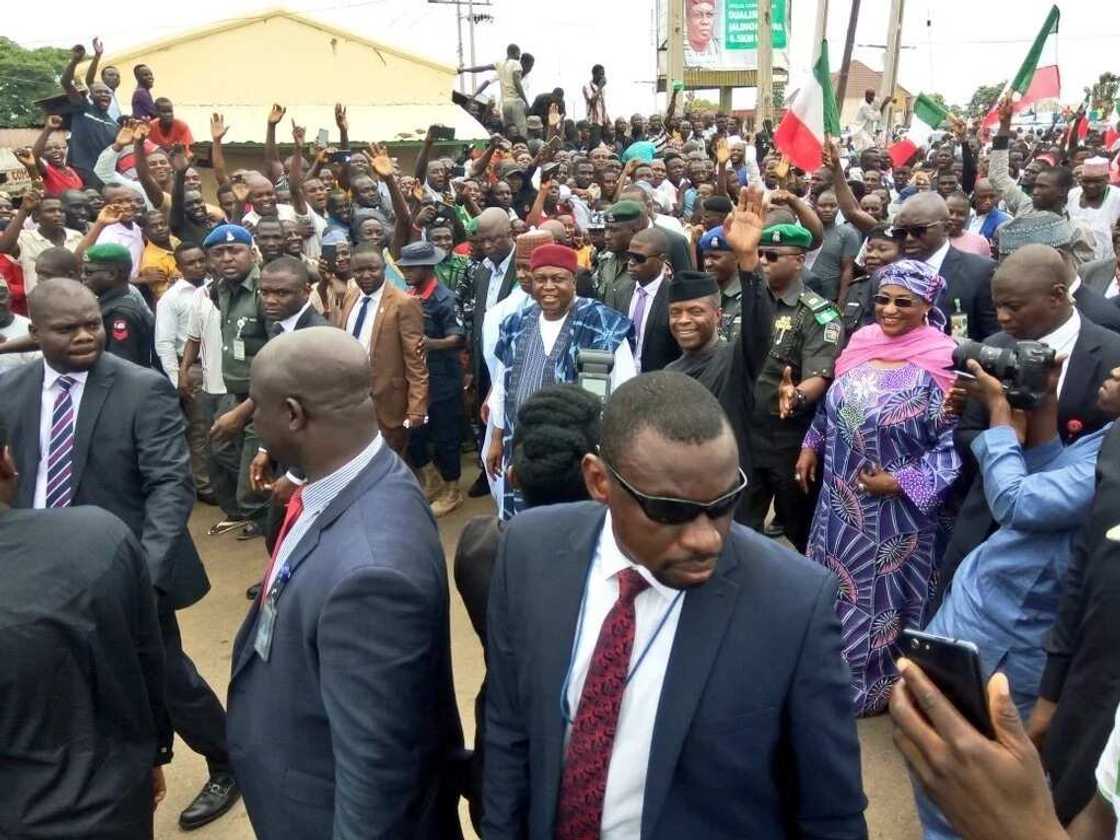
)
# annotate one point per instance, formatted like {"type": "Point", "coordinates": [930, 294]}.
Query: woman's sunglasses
{"type": "Point", "coordinates": [669, 511]}
{"type": "Point", "coordinates": [900, 303]}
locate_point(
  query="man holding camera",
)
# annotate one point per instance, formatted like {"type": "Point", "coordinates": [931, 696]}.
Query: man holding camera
{"type": "Point", "coordinates": [1005, 594]}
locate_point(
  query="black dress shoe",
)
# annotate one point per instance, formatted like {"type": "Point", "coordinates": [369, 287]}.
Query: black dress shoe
{"type": "Point", "coordinates": [480, 488]}
{"type": "Point", "coordinates": [250, 532]}
{"type": "Point", "coordinates": [253, 591]}
{"type": "Point", "coordinates": [217, 796]}
{"type": "Point", "coordinates": [208, 499]}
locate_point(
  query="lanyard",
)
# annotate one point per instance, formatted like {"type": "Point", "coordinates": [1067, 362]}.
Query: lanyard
{"type": "Point", "coordinates": [565, 714]}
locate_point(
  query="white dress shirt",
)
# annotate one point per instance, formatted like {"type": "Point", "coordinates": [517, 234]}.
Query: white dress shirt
{"type": "Point", "coordinates": [497, 275]}
{"type": "Point", "coordinates": [938, 257]}
{"type": "Point", "coordinates": [317, 496]}
{"type": "Point", "coordinates": [366, 335]}
{"type": "Point", "coordinates": [289, 324]}
{"type": "Point", "coordinates": [46, 410]}
{"type": "Point", "coordinates": [651, 292]}
{"type": "Point", "coordinates": [626, 778]}
{"type": "Point", "coordinates": [205, 327]}
{"type": "Point", "coordinates": [1062, 341]}
{"type": "Point", "coordinates": [18, 328]}
{"type": "Point", "coordinates": [131, 238]}
{"type": "Point", "coordinates": [173, 317]}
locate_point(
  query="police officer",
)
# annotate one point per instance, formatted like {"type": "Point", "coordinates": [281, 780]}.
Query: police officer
{"type": "Point", "coordinates": [804, 338]}
{"type": "Point", "coordinates": [129, 325]}
{"type": "Point", "coordinates": [623, 220]}
{"type": "Point", "coordinates": [720, 260]}
{"type": "Point", "coordinates": [236, 295]}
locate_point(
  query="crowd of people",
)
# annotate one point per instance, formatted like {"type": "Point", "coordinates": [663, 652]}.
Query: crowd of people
{"type": "Point", "coordinates": [663, 348]}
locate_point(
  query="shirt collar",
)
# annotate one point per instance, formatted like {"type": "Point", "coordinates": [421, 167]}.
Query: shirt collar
{"type": "Point", "coordinates": [320, 493]}
{"type": "Point", "coordinates": [652, 286]}
{"type": "Point", "coordinates": [289, 324]}
{"type": "Point", "coordinates": [938, 257]}
{"type": "Point", "coordinates": [612, 561]}
{"type": "Point", "coordinates": [500, 267]}
{"type": "Point", "coordinates": [51, 376]}
{"type": "Point", "coordinates": [427, 291]}
{"type": "Point", "coordinates": [1065, 336]}
{"type": "Point", "coordinates": [791, 294]}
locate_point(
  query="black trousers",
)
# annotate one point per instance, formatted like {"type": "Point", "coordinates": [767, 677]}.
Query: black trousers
{"type": "Point", "coordinates": [775, 482]}
{"type": "Point", "coordinates": [441, 434]}
{"type": "Point", "coordinates": [196, 713]}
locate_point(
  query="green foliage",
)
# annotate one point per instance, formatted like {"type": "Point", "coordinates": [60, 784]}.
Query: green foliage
{"type": "Point", "coordinates": [983, 99]}
{"type": "Point", "coordinates": [694, 105]}
{"type": "Point", "coordinates": [27, 75]}
{"type": "Point", "coordinates": [1102, 95]}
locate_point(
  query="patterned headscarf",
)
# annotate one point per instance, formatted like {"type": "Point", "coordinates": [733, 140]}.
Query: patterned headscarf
{"type": "Point", "coordinates": [917, 277]}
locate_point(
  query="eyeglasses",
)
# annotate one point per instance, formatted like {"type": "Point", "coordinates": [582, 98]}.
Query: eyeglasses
{"type": "Point", "coordinates": [900, 302]}
{"type": "Point", "coordinates": [669, 511]}
{"type": "Point", "coordinates": [640, 259]}
{"type": "Point", "coordinates": [774, 256]}
{"type": "Point", "coordinates": [913, 231]}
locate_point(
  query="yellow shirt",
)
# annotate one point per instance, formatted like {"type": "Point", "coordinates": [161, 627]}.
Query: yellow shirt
{"type": "Point", "coordinates": [157, 268]}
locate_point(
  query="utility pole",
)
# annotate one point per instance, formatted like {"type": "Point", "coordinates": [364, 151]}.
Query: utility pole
{"type": "Point", "coordinates": [459, 29]}
{"type": "Point", "coordinates": [458, 4]}
{"type": "Point", "coordinates": [890, 65]}
{"type": "Point", "coordinates": [474, 62]}
{"type": "Point", "coordinates": [820, 32]}
{"type": "Point", "coordinates": [674, 59]}
{"type": "Point", "coordinates": [764, 105]}
{"type": "Point", "coordinates": [849, 42]}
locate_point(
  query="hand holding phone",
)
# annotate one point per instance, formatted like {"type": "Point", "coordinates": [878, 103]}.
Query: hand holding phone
{"type": "Point", "coordinates": [954, 667]}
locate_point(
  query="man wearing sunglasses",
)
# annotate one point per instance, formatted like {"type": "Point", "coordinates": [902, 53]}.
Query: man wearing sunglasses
{"type": "Point", "coordinates": [621, 701]}
{"type": "Point", "coordinates": [643, 297]}
{"type": "Point", "coordinates": [922, 229]}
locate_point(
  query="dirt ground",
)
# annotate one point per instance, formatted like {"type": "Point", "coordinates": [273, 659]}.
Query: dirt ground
{"type": "Point", "coordinates": [210, 626]}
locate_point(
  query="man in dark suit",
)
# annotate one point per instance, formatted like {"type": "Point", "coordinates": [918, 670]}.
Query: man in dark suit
{"type": "Point", "coordinates": [679, 247]}
{"type": "Point", "coordinates": [697, 664]}
{"type": "Point", "coordinates": [1032, 300]}
{"type": "Point", "coordinates": [643, 297]}
{"type": "Point", "coordinates": [967, 304]}
{"type": "Point", "coordinates": [342, 716]}
{"type": "Point", "coordinates": [92, 429]}
{"type": "Point", "coordinates": [77, 615]}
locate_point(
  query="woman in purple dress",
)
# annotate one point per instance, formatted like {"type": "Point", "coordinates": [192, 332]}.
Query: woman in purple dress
{"type": "Point", "coordinates": [886, 438]}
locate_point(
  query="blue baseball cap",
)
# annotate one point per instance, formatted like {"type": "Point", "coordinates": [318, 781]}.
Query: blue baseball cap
{"type": "Point", "coordinates": [227, 234]}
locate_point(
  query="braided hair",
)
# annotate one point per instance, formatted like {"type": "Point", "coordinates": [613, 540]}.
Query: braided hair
{"type": "Point", "coordinates": [556, 427]}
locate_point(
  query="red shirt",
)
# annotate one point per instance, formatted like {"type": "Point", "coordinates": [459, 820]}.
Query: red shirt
{"type": "Point", "coordinates": [178, 133]}
{"type": "Point", "coordinates": [12, 272]}
{"type": "Point", "coordinates": [58, 179]}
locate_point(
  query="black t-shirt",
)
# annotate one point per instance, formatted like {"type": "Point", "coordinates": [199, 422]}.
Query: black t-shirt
{"type": "Point", "coordinates": [91, 131]}
{"type": "Point", "coordinates": [129, 327]}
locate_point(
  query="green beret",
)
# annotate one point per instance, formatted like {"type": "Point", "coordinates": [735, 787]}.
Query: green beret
{"type": "Point", "coordinates": [109, 252]}
{"type": "Point", "coordinates": [791, 236]}
{"type": "Point", "coordinates": [624, 211]}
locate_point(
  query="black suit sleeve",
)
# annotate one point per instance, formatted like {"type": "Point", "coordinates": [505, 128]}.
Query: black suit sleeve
{"type": "Point", "coordinates": [986, 322]}
{"type": "Point", "coordinates": [164, 464]}
{"type": "Point", "coordinates": [375, 637]}
{"type": "Point", "coordinates": [1062, 640]}
{"type": "Point", "coordinates": [824, 743]}
{"type": "Point", "coordinates": [506, 780]}
{"type": "Point", "coordinates": [474, 566]}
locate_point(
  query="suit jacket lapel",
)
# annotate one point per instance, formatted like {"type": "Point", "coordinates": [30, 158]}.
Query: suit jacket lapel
{"type": "Point", "coordinates": [28, 453]}
{"type": "Point", "coordinates": [388, 300]}
{"type": "Point", "coordinates": [1081, 373]}
{"type": "Point", "coordinates": [705, 615]}
{"type": "Point", "coordinates": [564, 580]}
{"type": "Point", "coordinates": [509, 279]}
{"type": "Point", "coordinates": [98, 384]}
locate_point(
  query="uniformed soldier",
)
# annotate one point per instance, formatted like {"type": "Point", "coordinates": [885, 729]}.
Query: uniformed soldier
{"type": "Point", "coordinates": [721, 261]}
{"type": "Point", "coordinates": [623, 220]}
{"type": "Point", "coordinates": [129, 324]}
{"type": "Point", "coordinates": [236, 295]}
{"type": "Point", "coordinates": [804, 339]}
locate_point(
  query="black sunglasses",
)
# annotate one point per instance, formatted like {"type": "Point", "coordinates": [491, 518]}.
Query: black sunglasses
{"type": "Point", "coordinates": [900, 232]}
{"type": "Point", "coordinates": [669, 511]}
{"type": "Point", "coordinates": [774, 256]}
{"type": "Point", "coordinates": [639, 259]}
{"type": "Point", "coordinates": [901, 302]}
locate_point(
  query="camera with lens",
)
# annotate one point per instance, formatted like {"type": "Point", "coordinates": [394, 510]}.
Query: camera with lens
{"type": "Point", "coordinates": [593, 371]}
{"type": "Point", "coordinates": [1022, 368]}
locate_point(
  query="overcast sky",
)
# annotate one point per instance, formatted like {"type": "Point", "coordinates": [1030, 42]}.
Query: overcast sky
{"type": "Point", "coordinates": [953, 45]}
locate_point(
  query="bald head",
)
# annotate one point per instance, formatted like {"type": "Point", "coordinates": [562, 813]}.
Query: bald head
{"type": "Point", "coordinates": [49, 295]}
{"type": "Point", "coordinates": [922, 208]}
{"type": "Point", "coordinates": [654, 237]}
{"type": "Point", "coordinates": [323, 368]}
{"type": "Point", "coordinates": [493, 221]}
{"type": "Point", "coordinates": [1030, 290]}
{"type": "Point", "coordinates": [556, 228]}
{"type": "Point", "coordinates": [494, 234]}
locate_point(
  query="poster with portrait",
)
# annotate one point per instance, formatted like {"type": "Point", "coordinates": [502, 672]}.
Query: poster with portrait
{"type": "Point", "coordinates": [723, 34]}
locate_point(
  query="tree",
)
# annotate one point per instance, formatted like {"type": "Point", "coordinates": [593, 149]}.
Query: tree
{"type": "Point", "coordinates": [27, 75]}
{"type": "Point", "coordinates": [1102, 95]}
{"type": "Point", "coordinates": [983, 99]}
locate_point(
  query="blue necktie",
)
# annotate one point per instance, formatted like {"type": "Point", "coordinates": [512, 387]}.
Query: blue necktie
{"type": "Point", "coordinates": [60, 463]}
{"type": "Point", "coordinates": [361, 318]}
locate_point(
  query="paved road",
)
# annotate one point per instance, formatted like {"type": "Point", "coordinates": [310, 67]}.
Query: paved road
{"type": "Point", "coordinates": [210, 626]}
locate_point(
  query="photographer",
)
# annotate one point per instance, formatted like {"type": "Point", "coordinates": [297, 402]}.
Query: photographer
{"type": "Point", "coordinates": [1031, 294]}
{"type": "Point", "coordinates": [1005, 594]}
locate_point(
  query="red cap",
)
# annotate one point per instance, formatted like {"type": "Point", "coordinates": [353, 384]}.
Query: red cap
{"type": "Point", "coordinates": [557, 256]}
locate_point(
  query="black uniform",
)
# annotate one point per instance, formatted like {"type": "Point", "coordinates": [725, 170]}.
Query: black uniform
{"type": "Point", "coordinates": [129, 326]}
{"type": "Point", "coordinates": [805, 334]}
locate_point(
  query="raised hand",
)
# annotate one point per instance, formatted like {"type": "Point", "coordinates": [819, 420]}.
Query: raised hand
{"type": "Point", "coordinates": [276, 114]}
{"type": "Point", "coordinates": [140, 131]}
{"type": "Point", "coordinates": [553, 115]}
{"type": "Point", "coordinates": [723, 151]}
{"type": "Point", "coordinates": [299, 134]}
{"type": "Point", "coordinates": [54, 122]}
{"type": "Point", "coordinates": [240, 191]}
{"type": "Point", "coordinates": [340, 117]}
{"type": "Point", "coordinates": [178, 158]}
{"type": "Point", "coordinates": [109, 215]}
{"type": "Point", "coordinates": [380, 161]}
{"type": "Point", "coordinates": [832, 157]}
{"type": "Point", "coordinates": [25, 157]}
{"type": "Point", "coordinates": [218, 127]}
{"type": "Point", "coordinates": [98, 47]}
{"type": "Point", "coordinates": [743, 225]}
{"type": "Point", "coordinates": [31, 200]}
{"type": "Point", "coordinates": [77, 52]}
{"type": "Point", "coordinates": [1006, 109]}
{"type": "Point", "coordinates": [126, 135]}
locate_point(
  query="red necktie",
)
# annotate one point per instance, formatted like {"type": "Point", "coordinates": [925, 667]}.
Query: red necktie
{"type": "Point", "coordinates": [584, 783]}
{"type": "Point", "coordinates": [291, 514]}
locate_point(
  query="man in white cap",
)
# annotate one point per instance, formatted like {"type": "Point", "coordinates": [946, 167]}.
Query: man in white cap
{"type": "Point", "coordinates": [1096, 203]}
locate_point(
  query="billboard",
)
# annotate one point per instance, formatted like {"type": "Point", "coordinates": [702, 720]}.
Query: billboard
{"type": "Point", "coordinates": [723, 34]}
